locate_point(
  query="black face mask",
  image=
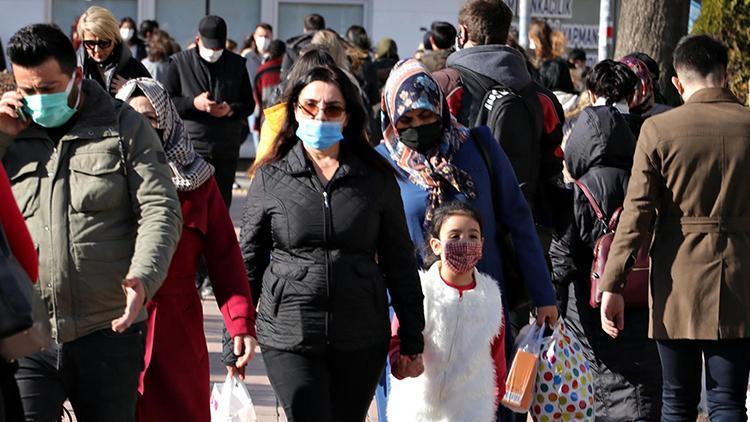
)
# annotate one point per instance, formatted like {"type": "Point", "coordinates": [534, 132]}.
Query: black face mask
{"type": "Point", "coordinates": [422, 138]}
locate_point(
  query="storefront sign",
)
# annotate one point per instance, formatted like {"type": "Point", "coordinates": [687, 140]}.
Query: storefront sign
{"type": "Point", "coordinates": [552, 9]}
{"type": "Point", "coordinates": [581, 36]}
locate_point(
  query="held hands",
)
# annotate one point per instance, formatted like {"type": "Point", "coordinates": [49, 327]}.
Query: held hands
{"type": "Point", "coordinates": [409, 366]}
{"type": "Point", "coordinates": [244, 349]}
{"type": "Point", "coordinates": [613, 313]}
{"type": "Point", "coordinates": [547, 314]}
{"type": "Point", "coordinates": [135, 298]}
{"type": "Point", "coordinates": [202, 102]}
{"type": "Point", "coordinates": [10, 123]}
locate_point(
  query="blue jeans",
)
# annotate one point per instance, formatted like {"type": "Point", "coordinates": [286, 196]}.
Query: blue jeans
{"type": "Point", "coordinates": [727, 367]}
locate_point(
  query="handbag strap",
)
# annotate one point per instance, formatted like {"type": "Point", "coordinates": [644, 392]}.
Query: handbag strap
{"type": "Point", "coordinates": [592, 201]}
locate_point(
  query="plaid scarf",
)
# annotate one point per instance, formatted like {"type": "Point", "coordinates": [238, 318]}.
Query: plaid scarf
{"type": "Point", "coordinates": [410, 87]}
{"type": "Point", "coordinates": [189, 170]}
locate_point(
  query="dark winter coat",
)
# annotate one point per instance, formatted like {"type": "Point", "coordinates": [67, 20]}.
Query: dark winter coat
{"type": "Point", "coordinates": [599, 153]}
{"type": "Point", "coordinates": [226, 80]}
{"type": "Point", "coordinates": [121, 63]}
{"type": "Point", "coordinates": [323, 259]}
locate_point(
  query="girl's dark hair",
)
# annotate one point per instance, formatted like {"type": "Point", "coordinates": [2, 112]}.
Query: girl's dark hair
{"type": "Point", "coordinates": [129, 20]}
{"type": "Point", "coordinates": [555, 76]}
{"type": "Point", "coordinates": [612, 80]}
{"type": "Point", "coordinates": [440, 216]}
{"type": "Point", "coordinates": [355, 138]}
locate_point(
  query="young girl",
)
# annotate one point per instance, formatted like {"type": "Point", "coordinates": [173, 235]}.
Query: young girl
{"type": "Point", "coordinates": [463, 365]}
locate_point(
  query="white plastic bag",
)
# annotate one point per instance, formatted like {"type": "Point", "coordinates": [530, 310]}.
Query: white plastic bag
{"type": "Point", "coordinates": [231, 402]}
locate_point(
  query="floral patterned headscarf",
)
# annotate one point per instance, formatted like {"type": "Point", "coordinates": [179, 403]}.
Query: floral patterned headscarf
{"type": "Point", "coordinates": [644, 98]}
{"type": "Point", "coordinates": [410, 87]}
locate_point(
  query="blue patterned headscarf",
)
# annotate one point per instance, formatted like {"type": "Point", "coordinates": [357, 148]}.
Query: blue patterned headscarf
{"type": "Point", "coordinates": [410, 87]}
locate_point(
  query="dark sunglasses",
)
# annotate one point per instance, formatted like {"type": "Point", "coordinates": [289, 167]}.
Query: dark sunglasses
{"type": "Point", "coordinates": [102, 44]}
{"type": "Point", "coordinates": [331, 112]}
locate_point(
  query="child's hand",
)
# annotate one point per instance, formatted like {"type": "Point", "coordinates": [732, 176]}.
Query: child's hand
{"type": "Point", "coordinates": [410, 366]}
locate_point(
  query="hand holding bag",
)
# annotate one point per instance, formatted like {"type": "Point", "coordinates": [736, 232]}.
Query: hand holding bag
{"type": "Point", "coordinates": [231, 402]}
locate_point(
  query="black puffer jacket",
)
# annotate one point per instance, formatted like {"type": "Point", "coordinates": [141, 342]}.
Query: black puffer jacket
{"type": "Point", "coordinates": [627, 371]}
{"type": "Point", "coordinates": [333, 253]}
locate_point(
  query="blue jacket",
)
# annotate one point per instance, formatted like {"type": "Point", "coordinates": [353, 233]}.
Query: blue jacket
{"type": "Point", "coordinates": [515, 215]}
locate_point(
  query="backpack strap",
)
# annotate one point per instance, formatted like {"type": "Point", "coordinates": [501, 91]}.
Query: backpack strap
{"type": "Point", "coordinates": [594, 205]}
{"type": "Point", "coordinates": [476, 133]}
{"type": "Point", "coordinates": [614, 219]}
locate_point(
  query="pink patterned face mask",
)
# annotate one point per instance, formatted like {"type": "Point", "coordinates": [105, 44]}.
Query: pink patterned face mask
{"type": "Point", "coordinates": [462, 255]}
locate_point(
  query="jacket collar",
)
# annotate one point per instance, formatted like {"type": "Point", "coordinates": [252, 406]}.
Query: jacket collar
{"type": "Point", "coordinates": [96, 119]}
{"type": "Point", "coordinates": [713, 95]}
{"type": "Point", "coordinates": [296, 162]}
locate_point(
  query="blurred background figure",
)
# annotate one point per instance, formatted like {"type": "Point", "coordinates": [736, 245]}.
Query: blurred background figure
{"type": "Point", "coordinates": [231, 45]}
{"type": "Point", "coordinates": [148, 28]}
{"type": "Point", "coordinates": [578, 67]}
{"type": "Point", "coordinates": [555, 76]}
{"type": "Point", "coordinates": [157, 62]}
{"type": "Point", "coordinates": [256, 46]}
{"type": "Point", "coordinates": [442, 38]}
{"type": "Point", "coordinates": [130, 38]}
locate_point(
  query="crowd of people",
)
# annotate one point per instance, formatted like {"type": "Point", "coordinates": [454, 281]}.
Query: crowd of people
{"type": "Point", "coordinates": [405, 219]}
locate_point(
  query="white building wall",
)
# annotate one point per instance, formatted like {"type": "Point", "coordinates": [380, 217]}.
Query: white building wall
{"type": "Point", "coordinates": [15, 14]}
{"type": "Point", "coordinates": [401, 20]}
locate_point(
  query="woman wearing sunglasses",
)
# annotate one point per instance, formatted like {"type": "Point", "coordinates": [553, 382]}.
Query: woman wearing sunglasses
{"type": "Point", "coordinates": [324, 239]}
{"type": "Point", "coordinates": [102, 54]}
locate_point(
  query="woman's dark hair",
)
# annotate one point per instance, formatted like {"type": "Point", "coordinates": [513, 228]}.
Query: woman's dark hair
{"type": "Point", "coordinates": [355, 137]}
{"type": "Point", "coordinates": [159, 47]}
{"type": "Point", "coordinates": [612, 80]}
{"type": "Point", "coordinates": [147, 28]}
{"type": "Point", "coordinates": [276, 49]}
{"type": "Point", "coordinates": [555, 75]}
{"type": "Point", "coordinates": [33, 44]}
{"type": "Point", "coordinates": [440, 216]}
{"type": "Point", "coordinates": [128, 19]}
{"type": "Point", "coordinates": [357, 35]}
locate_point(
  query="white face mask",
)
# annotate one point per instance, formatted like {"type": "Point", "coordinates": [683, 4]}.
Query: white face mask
{"type": "Point", "coordinates": [211, 56]}
{"type": "Point", "coordinates": [262, 43]}
{"type": "Point", "coordinates": [127, 33]}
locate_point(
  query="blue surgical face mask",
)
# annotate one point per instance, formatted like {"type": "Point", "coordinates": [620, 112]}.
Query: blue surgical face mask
{"type": "Point", "coordinates": [319, 134]}
{"type": "Point", "coordinates": [52, 110]}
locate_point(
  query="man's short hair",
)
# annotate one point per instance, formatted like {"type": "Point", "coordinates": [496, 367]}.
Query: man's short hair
{"type": "Point", "coordinates": [577, 54]}
{"type": "Point", "coordinates": [357, 35]}
{"type": "Point", "coordinates": [315, 22]}
{"type": "Point", "coordinates": [487, 21]}
{"type": "Point", "coordinates": [444, 35]}
{"type": "Point", "coordinates": [702, 56]}
{"type": "Point", "coordinates": [276, 49]}
{"type": "Point", "coordinates": [33, 44]}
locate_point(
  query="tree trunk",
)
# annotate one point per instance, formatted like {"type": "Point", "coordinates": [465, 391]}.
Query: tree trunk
{"type": "Point", "coordinates": [653, 27]}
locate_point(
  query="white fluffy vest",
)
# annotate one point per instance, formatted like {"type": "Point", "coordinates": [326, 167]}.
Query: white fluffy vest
{"type": "Point", "coordinates": [458, 383]}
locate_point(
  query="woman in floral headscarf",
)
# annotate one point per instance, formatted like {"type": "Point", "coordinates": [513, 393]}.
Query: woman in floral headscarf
{"type": "Point", "coordinates": [175, 380]}
{"type": "Point", "coordinates": [442, 161]}
{"type": "Point", "coordinates": [643, 102]}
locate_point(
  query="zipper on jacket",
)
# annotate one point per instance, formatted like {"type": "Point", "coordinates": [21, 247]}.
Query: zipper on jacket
{"type": "Point", "coordinates": [326, 229]}
{"type": "Point", "coordinates": [56, 163]}
{"type": "Point", "coordinates": [450, 350]}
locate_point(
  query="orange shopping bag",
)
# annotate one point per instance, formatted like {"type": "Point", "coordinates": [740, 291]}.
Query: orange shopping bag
{"type": "Point", "coordinates": [519, 385]}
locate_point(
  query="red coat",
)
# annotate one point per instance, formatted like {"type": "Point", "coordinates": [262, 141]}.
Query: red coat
{"type": "Point", "coordinates": [175, 381]}
{"type": "Point", "coordinates": [19, 239]}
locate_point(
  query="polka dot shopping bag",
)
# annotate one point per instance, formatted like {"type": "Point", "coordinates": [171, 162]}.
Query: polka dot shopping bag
{"type": "Point", "coordinates": [564, 389]}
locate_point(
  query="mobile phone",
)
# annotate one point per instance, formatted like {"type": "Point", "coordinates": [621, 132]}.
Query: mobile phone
{"type": "Point", "coordinates": [21, 115]}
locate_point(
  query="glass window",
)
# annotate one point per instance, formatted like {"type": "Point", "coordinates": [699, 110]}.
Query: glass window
{"type": "Point", "coordinates": [339, 17]}
{"type": "Point", "coordinates": [241, 16]}
{"type": "Point", "coordinates": [181, 18]}
{"type": "Point", "coordinates": [64, 12]}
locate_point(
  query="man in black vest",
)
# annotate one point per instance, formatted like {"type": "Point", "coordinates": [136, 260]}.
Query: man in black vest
{"type": "Point", "coordinates": [212, 92]}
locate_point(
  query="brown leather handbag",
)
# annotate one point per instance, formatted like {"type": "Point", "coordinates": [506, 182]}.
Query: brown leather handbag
{"type": "Point", "coordinates": [636, 287]}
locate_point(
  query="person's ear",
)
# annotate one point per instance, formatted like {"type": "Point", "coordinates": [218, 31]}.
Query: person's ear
{"type": "Point", "coordinates": [592, 96]}
{"type": "Point", "coordinates": [678, 85]}
{"type": "Point", "coordinates": [436, 246]}
{"type": "Point", "coordinates": [198, 40]}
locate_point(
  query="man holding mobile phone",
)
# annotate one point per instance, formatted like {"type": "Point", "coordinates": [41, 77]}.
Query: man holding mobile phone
{"type": "Point", "coordinates": [91, 180]}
